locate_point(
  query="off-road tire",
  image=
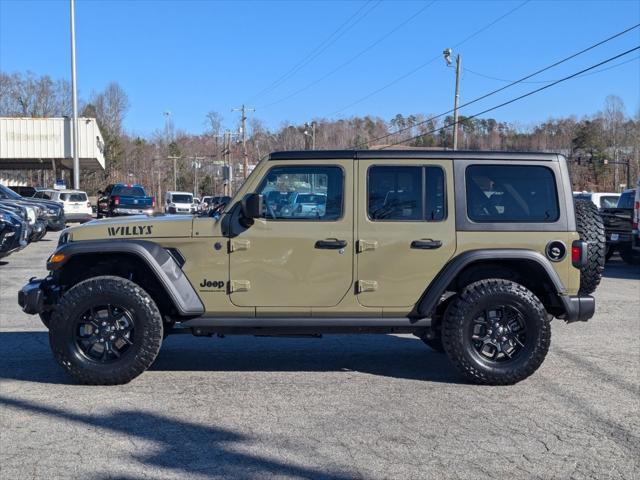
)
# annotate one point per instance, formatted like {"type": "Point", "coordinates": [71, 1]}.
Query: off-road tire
{"type": "Point", "coordinates": [591, 230]}
{"type": "Point", "coordinates": [630, 256]}
{"type": "Point", "coordinates": [100, 290]}
{"type": "Point", "coordinates": [485, 294]}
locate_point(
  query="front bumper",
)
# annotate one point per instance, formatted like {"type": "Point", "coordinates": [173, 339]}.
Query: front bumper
{"type": "Point", "coordinates": [37, 296]}
{"type": "Point", "coordinates": [56, 223]}
{"type": "Point", "coordinates": [579, 308]}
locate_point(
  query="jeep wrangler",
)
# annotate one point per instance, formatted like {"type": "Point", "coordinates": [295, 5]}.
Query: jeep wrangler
{"type": "Point", "coordinates": [473, 252]}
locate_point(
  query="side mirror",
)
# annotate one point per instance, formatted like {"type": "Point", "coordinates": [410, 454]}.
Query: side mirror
{"type": "Point", "coordinates": [252, 205]}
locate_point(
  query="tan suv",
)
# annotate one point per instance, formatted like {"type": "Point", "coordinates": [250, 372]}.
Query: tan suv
{"type": "Point", "coordinates": [473, 252]}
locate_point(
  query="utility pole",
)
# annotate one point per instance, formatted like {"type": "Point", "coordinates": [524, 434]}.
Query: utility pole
{"type": "Point", "coordinates": [175, 182]}
{"type": "Point", "coordinates": [196, 166]}
{"type": "Point", "coordinates": [447, 57]}
{"type": "Point", "coordinates": [245, 162]}
{"type": "Point", "coordinates": [312, 135]}
{"type": "Point", "coordinates": [74, 99]}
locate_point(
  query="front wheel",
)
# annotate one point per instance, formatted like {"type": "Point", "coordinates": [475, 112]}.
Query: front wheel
{"type": "Point", "coordinates": [496, 332]}
{"type": "Point", "coordinates": [106, 331]}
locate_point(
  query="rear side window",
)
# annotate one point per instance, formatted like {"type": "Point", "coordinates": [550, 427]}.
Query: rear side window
{"type": "Point", "coordinates": [397, 193]}
{"type": "Point", "coordinates": [511, 193]}
{"type": "Point", "coordinates": [608, 202]}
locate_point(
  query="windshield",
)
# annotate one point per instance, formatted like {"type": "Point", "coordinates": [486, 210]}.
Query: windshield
{"type": "Point", "coordinates": [181, 198]}
{"type": "Point", "coordinates": [8, 193]}
{"type": "Point", "coordinates": [128, 191]}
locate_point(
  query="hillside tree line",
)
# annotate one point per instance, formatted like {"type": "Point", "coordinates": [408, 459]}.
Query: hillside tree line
{"type": "Point", "coordinates": [599, 146]}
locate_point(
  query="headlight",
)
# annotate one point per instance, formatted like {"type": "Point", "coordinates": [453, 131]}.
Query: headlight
{"type": "Point", "coordinates": [52, 211]}
{"type": "Point", "coordinates": [31, 214]}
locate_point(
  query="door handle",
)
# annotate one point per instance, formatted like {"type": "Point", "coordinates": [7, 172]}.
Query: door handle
{"type": "Point", "coordinates": [331, 244]}
{"type": "Point", "coordinates": [426, 244]}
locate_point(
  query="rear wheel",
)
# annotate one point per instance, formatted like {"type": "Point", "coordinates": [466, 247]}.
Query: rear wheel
{"type": "Point", "coordinates": [591, 229]}
{"type": "Point", "coordinates": [106, 331]}
{"type": "Point", "coordinates": [496, 332]}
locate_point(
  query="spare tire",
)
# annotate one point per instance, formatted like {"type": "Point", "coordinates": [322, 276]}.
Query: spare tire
{"type": "Point", "coordinates": [591, 230]}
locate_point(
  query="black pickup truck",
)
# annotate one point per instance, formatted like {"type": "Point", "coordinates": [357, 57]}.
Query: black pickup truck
{"type": "Point", "coordinates": [121, 199]}
{"type": "Point", "coordinates": [618, 226]}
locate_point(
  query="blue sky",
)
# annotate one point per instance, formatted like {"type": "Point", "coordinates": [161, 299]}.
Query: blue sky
{"type": "Point", "coordinates": [190, 57]}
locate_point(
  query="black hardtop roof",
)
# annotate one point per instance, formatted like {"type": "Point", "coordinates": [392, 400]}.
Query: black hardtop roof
{"type": "Point", "coordinates": [413, 154]}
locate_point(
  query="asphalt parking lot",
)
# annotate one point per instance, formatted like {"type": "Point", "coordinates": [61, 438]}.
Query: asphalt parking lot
{"type": "Point", "coordinates": [337, 407]}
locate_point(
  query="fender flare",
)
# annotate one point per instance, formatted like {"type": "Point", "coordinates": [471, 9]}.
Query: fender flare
{"type": "Point", "coordinates": [161, 263]}
{"type": "Point", "coordinates": [430, 298]}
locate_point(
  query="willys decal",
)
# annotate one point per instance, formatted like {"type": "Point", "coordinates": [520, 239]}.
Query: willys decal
{"type": "Point", "coordinates": [130, 230]}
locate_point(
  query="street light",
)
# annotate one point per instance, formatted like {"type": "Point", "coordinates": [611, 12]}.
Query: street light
{"type": "Point", "coordinates": [447, 52]}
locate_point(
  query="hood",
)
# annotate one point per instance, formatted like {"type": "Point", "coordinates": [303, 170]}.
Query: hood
{"type": "Point", "coordinates": [136, 226]}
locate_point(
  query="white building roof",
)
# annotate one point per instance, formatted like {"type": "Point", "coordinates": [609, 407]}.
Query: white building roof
{"type": "Point", "coordinates": [31, 143]}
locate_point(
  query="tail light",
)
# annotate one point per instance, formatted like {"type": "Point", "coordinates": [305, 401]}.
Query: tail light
{"type": "Point", "coordinates": [579, 252]}
{"type": "Point", "coordinates": [636, 214]}
{"type": "Point", "coordinates": [153, 202]}
{"type": "Point", "coordinates": [116, 200]}
{"type": "Point", "coordinates": [88, 204]}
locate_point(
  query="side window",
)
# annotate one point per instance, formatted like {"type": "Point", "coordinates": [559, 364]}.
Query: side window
{"type": "Point", "coordinates": [511, 193]}
{"type": "Point", "coordinates": [303, 193]}
{"type": "Point", "coordinates": [405, 193]}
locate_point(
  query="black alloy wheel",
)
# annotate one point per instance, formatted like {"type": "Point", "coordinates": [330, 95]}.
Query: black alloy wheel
{"type": "Point", "coordinates": [104, 333]}
{"type": "Point", "coordinates": [498, 334]}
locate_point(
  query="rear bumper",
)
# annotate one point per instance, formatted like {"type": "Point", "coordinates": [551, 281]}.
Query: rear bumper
{"type": "Point", "coordinates": [78, 217]}
{"type": "Point", "coordinates": [132, 211]}
{"type": "Point", "coordinates": [579, 308]}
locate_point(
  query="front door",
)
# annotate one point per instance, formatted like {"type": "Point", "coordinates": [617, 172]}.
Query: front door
{"type": "Point", "coordinates": [405, 230]}
{"type": "Point", "coordinates": [300, 254]}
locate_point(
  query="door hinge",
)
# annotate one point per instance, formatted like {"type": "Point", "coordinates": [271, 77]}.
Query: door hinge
{"type": "Point", "coordinates": [366, 286]}
{"type": "Point", "coordinates": [363, 245]}
{"type": "Point", "coordinates": [239, 286]}
{"type": "Point", "coordinates": [238, 245]}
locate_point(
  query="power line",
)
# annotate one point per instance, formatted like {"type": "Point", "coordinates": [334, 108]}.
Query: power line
{"type": "Point", "coordinates": [549, 81]}
{"type": "Point", "coordinates": [353, 58]}
{"type": "Point", "coordinates": [514, 82]}
{"type": "Point", "coordinates": [421, 66]}
{"type": "Point", "coordinates": [362, 12]}
{"type": "Point", "coordinates": [508, 102]}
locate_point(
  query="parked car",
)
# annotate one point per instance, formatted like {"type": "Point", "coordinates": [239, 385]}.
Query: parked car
{"type": "Point", "coordinates": [305, 205]}
{"type": "Point", "coordinates": [77, 206]}
{"type": "Point", "coordinates": [599, 199]}
{"type": "Point", "coordinates": [52, 213]}
{"type": "Point", "coordinates": [13, 232]}
{"type": "Point", "coordinates": [25, 191]}
{"type": "Point", "coordinates": [179, 202]}
{"type": "Point", "coordinates": [430, 263]}
{"type": "Point", "coordinates": [120, 199]}
{"type": "Point", "coordinates": [618, 224]}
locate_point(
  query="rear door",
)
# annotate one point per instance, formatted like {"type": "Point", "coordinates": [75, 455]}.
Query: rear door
{"type": "Point", "coordinates": [297, 257]}
{"type": "Point", "coordinates": [405, 229]}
